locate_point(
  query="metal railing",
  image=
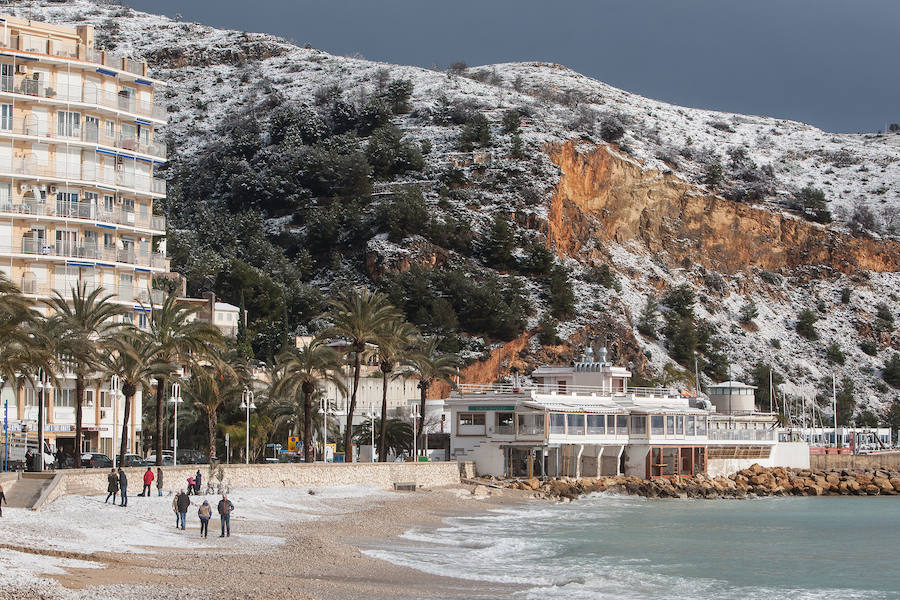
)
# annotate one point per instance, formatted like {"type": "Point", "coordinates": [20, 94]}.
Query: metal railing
{"type": "Point", "coordinates": [92, 251]}
{"type": "Point", "coordinates": [83, 172]}
{"type": "Point", "coordinates": [85, 210]}
{"type": "Point", "coordinates": [741, 435]}
{"type": "Point", "coordinates": [583, 390]}
{"type": "Point", "coordinates": [29, 86]}
{"type": "Point", "coordinates": [123, 293]}
{"type": "Point", "coordinates": [93, 135]}
{"type": "Point", "coordinates": [72, 49]}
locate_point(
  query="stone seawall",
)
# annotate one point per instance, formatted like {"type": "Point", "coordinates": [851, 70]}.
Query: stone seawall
{"type": "Point", "coordinates": [824, 462]}
{"type": "Point", "coordinates": [384, 475]}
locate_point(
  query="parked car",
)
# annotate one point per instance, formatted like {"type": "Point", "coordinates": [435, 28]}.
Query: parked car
{"type": "Point", "coordinates": [167, 460]}
{"type": "Point", "coordinates": [132, 460]}
{"type": "Point", "coordinates": [191, 457]}
{"type": "Point", "coordinates": [95, 460]}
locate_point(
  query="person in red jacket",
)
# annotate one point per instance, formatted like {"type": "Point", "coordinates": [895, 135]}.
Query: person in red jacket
{"type": "Point", "coordinates": [148, 479]}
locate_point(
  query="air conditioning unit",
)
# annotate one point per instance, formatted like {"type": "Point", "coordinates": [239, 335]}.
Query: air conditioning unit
{"type": "Point", "coordinates": [22, 69]}
{"type": "Point", "coordinates": [23, 187]}
{"type": "Point", "coordinates": [52, 189]}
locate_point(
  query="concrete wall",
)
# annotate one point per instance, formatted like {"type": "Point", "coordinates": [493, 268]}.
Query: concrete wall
{"type": "Point", "coordinates": [384, 475]}
{"type": "Point", "coordinates": [784, 454]}
{"type": "Point", "coordinates": [823, 462]}
{"type": "Point", "coordinates": [488, 459]}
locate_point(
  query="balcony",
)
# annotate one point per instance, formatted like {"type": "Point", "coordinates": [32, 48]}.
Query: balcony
{"type": "Point", "coordinates": [122, 293]}
{"type": "Point", "coordinates": [129, 256]}
{"type": "Point", "coordinates": [28, 86]}
{"type": "Point", "coordinates": [88, 172]}
{"type": "Point", "coordinates": [85, 210]}
{"type": "Point", "coordinates": [92, 135]}
{"type": "Point", "coordinates": [72, 49]}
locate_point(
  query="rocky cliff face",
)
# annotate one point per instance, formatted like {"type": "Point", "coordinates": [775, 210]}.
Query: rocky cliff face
{"type": "Point", "coordinates": [605, 194]}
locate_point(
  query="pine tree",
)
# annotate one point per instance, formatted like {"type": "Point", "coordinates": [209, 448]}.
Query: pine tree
{"type": "Point", "coordinates": [500, 243]}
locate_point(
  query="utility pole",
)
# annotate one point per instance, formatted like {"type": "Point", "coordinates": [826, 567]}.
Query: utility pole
{"type": "Point", "coordinates": [834, 408]}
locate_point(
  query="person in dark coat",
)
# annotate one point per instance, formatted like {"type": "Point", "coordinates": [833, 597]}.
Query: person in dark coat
{"type": "Point", "coordinates": [123, 487]}
{"type": "Point", "coordinates": [159, 480]}
{"type": "Point", "coordinates": [225, 509]}
{"type": "Point", "coordinates": [197, 479]}
{"type": "Point", "coordinates": [112, 486]}
{"type": "Point", "coordinates": [2, 500]}
{"type": "Point", "coordinates": [184, 503]}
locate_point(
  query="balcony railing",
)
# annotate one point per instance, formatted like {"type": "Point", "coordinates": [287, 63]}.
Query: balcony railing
{"type": "Point", "coordinates": [742, 435]}
{"type": "Point", "coordinates": [92, 135]}
{"type": "Point", "coordinates": [123, 293]}
{"type": "Point", "coordinates": [29, 167]}
{"type": "Point", "coordinates": [87, 94]}
{"type": "Point", "coordinates": [93, 251]}
{"type": "Point", "coordinates": [72, 49]}
{"type": "Point", "coordinates": [583, 390]}
{"type": "Point", "coordinates": [85, 210]}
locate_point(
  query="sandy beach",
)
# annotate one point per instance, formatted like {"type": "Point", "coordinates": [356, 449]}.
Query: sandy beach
{"type": "Point", "coordinates": [286, 543]}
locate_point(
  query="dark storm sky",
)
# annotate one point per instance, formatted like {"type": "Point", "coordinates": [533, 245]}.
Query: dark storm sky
{"type": "Point", "coordinates": [832, 63]}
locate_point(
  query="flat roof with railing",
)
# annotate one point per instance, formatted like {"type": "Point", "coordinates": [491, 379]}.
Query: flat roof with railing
{"type": "Point", "coordinates": [530, 389]}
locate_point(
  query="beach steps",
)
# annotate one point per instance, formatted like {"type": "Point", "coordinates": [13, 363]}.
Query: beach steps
{"type": "Point", "coordinates": [28, 489]}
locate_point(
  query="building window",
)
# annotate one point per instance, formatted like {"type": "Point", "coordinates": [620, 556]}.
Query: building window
{"type": "Point", "coordinates": [621, 424]}
{"type": "Point", "coordinates": [506, 423]}
{"type": "Point", "coordinates": [638, 425]}
{"type": "Point", "coordinates": [68, 124]}
{"type": "Point", "coordinates": [142, 320]}
{"type": "Point", "coordinates": [691, 430]}
{"type": "Point", "coordinates": [701, 426]}
{"type": "Point", "coordinates": [561, 387]}
{"type": "Point", "coordinates": [6, 117]}
{"type": "Point", "coordinates": [531, 424]}
{"type": "Point", "coordinates": [88, 398]}
{"type": "Point", "coordinates": [65, 397]}
{"type": "Point", "coordinates": [610, 424]}
{"type": "Point", "coordinates": [557, 423]}
{"type": "Point", "coordinates": [657, 425]}
{"type": "Point", "coordinates": [575, 424]}
{"type": "Point", "coordinates": [469, 423]}
{"type": "Point", "coordinates": [670, 425]}
{"type": "Point", "coordinates": [105, 399]}
{"type": "Point", "coordinates": [31, 397]}
{"type": "Point", "coordinates": [596, 424]}
{"type": "Point", "coordinates": [679, 425]}
{"type": "Point", "coordinates": [110, 129]}
{"type": "Point", "coordinates": [128, 204]}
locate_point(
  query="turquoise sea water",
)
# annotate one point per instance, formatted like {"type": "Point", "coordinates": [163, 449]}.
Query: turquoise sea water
{"type": "Point", "coordinates": [607, 546]}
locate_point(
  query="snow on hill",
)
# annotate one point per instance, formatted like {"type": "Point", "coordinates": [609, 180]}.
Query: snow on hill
{"type": "Point", "coordinates": [213, 74]}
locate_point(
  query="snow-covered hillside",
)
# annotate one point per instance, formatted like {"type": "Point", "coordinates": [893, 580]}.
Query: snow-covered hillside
{"type": "Point", "coordinates": [215, 74]}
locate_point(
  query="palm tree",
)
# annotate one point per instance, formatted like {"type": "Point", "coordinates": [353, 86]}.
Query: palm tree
{"type": "Point", "coordinates": [397, 434]}
{"type": "Point", "coordinates": [393, 348]}
{"type": "Point", "coordinates": [16, 343]}
{"type": "Point", "coordinates": [176, 336]}
{"type": "Point", "coordinates": [358, 317]}
{"type": "Point", "coordinates": [303, 370]}
{"type": "Point", "coordinates": [82, 325]}
{"type": "Point", "coordinates": [220, 378]}
{"type": "Point", "coordinates": [134, 360]}
{"type": "Point", "coordinates": [430, 366]}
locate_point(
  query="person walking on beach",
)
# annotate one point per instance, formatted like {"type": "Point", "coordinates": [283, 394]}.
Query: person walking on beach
{"type": "Point", "coordinates": [148, 479]}
{"type": "Point", "coordinates": [123, 486]}
{"type": "Point", "coordinates": [184, 503]}
{"type": "Point", "coordinates": [197, 479]}
{"type": "Point", "coordinates": [112, 486]}
{"type": "Point", "coordinates": [2, 500]}
{"type": "Point", "coordinates": [159, 480]}
{"type": "Point", "coordinates": [205, 513]}
{"type": "Point", "coordinates": [175, 508]}
{"type": "Point", "coordinates": [225, 509]}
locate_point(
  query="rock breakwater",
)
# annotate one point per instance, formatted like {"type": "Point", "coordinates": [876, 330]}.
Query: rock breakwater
{"type": "Point", "coordinates": [751, 482]}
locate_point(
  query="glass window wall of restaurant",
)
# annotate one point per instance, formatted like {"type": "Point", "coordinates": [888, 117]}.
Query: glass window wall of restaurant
{"type": "Point", "coordinates": [686, 461]}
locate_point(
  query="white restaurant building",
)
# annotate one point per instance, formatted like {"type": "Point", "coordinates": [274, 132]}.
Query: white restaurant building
{"type": "Point", "coordinates": [585, 420]}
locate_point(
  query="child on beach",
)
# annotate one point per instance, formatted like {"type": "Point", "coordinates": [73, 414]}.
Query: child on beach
{"type": "Point", "coordinates": [190, 488]}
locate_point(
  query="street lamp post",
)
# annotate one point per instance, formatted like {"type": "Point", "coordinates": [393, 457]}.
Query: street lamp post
{"type": "Point", "coordinates": [43, 386]}
{"type": "Point", "coordinates": [5, 431]}
{"type": "Point", "coordinates": [372, 415]}
{"type": "Point", "coordinates": [113, 392]}
{"type": "Point", "coordinates": [175, 399]}
{"type": "Point", "coordinates": [323, 406]}
{"type": "Point", "coordinates": [415, 416]}
{"type": "Point", "coordinates": [247, 403]}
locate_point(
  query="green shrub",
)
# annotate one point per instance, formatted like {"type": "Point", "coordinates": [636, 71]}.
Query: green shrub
{"type": "Point", "coordinates": [390, 153]}
{"type": "Point", "coordinates": [649, 318]}
{"type": "Point", "coordinates": [891, 371]}
{"type": "Point", "coordinates": [398, 93]}
{"type": "Point", "coordinates": [611, 129]}
{"type": "Point", "coordinates": [748, 312]}
{"type": "Point", "coordinates": [562, 298]}
{"type": "Point", "coordinates": [834, 354]}
{"type": "Point", "coordinates": [475, 134]}
{"type": "Point", "coordinates": [404, 214]}
{"type": "Point", "coordinates": [812, 204]}
{"type": "Point", "coordinates": [845, 295]}
{"type": "Point", "coordinates": [712, 174]}
{"type": "Point", "coordinates": [806, 324]}
{"type": "Point", "coordinates": [548, 327]}
{"type": "Point", "coordinates": [500, 243]}
{"type": "Point", "coordinates": [512, 120]}
{"type": "Point", "coordinates": [884, 318]}
{"type": "Point", "coordinates": [869, 347]}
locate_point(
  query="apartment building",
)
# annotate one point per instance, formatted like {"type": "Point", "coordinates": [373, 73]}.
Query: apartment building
{"type": "Point", "coordinates": [79, 151]}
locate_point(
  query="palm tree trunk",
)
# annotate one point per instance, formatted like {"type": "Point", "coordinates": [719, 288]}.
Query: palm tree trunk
{"type": "Point", "coordinates": [212, 423]}
{"type": "Point", "coordinates": [40, 425]}
{"type": "Point", "coordinates": [348, 434]}
{"type": "Point", "coordinates": [382, 446]}
{"type": "Point", "coordinates": [424, 394]}
{"type": "Point", "coordinates": [129, 399]}
{"type": "Point", "coordinates": [79, 398]}
{"type": "Point", "coordinates": [160, 389]}
{"type": "Point", "coordinates": [308, 389]}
